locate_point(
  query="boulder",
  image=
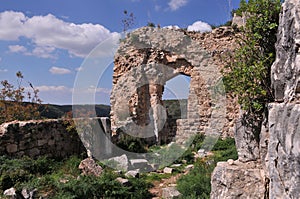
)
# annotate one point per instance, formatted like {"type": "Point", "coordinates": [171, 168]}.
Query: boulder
{"type": "Point", "coordinates": [119, 162]}
{"type": "Point", "coordinates": [170, 192]}
{"type": "Point", "coordinates": [239, 180]}
{"type": "Point", "coordinates": [90, 167]}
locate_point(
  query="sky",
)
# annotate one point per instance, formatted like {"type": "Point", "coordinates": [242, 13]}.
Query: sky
{"type": "Point", "coordinates": [50, 40]}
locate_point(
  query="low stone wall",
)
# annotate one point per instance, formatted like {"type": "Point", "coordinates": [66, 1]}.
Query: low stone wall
{"type": "Point", "coordinates": [53, 138]}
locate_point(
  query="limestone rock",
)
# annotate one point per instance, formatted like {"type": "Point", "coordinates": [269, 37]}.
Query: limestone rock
{"type": "Point", "coordinates": [10, 192]}
{"type": "Point", "coordinates": [246, 143]}
{"type": "Point", "coordinates": [239, 21]}
{"type": "Point", "coordinates": [240, 180]}
{"type": "Point", "coordinates": [28, 194]}
{"type": "Point", "coordinates": [168, 170]}
{"type": "Point", "coordinates": [119, 163]}
{"type": "Point", "coordinates": [284, 150]}
{"type": "Point", "coordinates": [170, 192]}
{"type": "Point", "coordinates": [123, 181]}
{"type": "Point", "coordinates": [285, 70]}
{"type": "Point", "coordinates": [133, 173]}
{"type": "Point", "coordinates": [90, 167]}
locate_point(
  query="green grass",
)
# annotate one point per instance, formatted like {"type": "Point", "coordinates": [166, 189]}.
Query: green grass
{"type": "Point", "coordinates": [61, 179]}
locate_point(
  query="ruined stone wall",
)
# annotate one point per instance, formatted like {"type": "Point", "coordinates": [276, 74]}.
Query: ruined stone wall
{"type": "Point", "coordinates": [36, 138]}
{"type": "Point", "coordinates": [147, 58]}
{"type": "Point", "coordinates": [53, 138]}
{"type": "Point", "coordinates": [272, 168]}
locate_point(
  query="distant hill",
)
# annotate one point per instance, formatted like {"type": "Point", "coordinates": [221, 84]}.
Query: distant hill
{"type": "Point", "coordinates": [52, 111]}
{"type": "Point", "coordinates": [177, 109]}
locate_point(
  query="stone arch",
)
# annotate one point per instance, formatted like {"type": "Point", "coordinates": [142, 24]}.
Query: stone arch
{"type": "Point", "coordinates": [144, 62]}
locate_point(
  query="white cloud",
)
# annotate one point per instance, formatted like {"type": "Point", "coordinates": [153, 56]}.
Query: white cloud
{"type": "Point", "coordinates": [17, 49]}
{"type": "Point", "coordinates": [3, 70]}
{"type": "Point", "coordinates": [43, 51]}
{"type": "Point", "coordinates": [53, 88]}
{"type": "Point", "coordinates": [176, 4]}
{"type": "Point", "coordinates": [52, 33]}
{"type": "Point", "coordinates": [199, 26]}
{"type": "Point", "coordinates": [59, 71]}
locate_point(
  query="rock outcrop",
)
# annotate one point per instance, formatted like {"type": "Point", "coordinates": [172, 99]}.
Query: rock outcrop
{"type": "Point", "coordinates": [275, 170]}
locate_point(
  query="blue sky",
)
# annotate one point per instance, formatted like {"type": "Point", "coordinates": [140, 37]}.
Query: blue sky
{"type": "Point", "coordinates": [48, 40]}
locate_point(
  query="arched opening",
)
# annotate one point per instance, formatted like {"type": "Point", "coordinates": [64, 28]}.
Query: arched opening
{"type": "Point", "coordinates": [175, 96]}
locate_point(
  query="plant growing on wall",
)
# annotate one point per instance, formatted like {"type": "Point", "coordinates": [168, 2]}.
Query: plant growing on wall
{"type": "Point", "coordinates": [18, 103]}
{"type": "Point", "coordinates": [248, 74]}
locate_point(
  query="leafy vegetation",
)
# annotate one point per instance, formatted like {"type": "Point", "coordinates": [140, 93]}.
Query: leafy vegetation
{"type": "Point", "coordinates": [196, 184]}
{"type": "Point", "coordinates": [13, 98]}
{"type": "Point", "coordinates": [132, 144]}
{"type": "Point", "coordinates": [249, 68]}
{"type": "Point", "coordinates": [62, 179]}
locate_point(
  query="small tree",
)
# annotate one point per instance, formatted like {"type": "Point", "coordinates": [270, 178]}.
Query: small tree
{"type": "Point", "coordinates": [250, 66]}
{"type": "Point", "coordinates": [16, 103]}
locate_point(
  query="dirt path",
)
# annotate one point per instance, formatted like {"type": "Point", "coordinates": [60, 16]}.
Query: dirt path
{"type": "Point", "coordinates": [156, 190]}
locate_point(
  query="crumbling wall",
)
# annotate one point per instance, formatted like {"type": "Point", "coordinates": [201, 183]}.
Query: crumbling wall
{"type": "Point", "coordinates": [147, 58]}
{"type": "Point", "coordinates": [53, 138]}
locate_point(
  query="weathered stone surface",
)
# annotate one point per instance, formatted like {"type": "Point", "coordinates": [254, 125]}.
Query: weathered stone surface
{"type": "Point", "coordinates": [41, 137]}
{"type": "Point", "coordinates": [10, 192]}
{"type": "Point", "coordinates": [279, 140]}
{"type": "Point", "coordinates": [141, 164]}
{"type": "Point", "coordinates": [90, 167]}
{"type": "Point", "coordinates": [28, 194]}
{"type": "Point", "coordinates": [239, 21]}
{"type": "Point", "coordinates": [133, 173]}
{"type": "Point", "coordinates": [170, 192]}
{"type": "Point", "coordinates": [147, 59]}
{"type": "Point", "coordinates": [286, 69]}
{"type": "Point", "coordinates": [168, 170]}
{"type": "Point", "coordinates": [239, 180]}
{"type": "Point", "coordinates": [54, 138]}
{"type": "Point", "coordinates": [284, 150]}
{"type": "Point", "coordinates": [123, 181]}
{"type": "Point", "coordinates": [246, 139]}
{"type": "Point", "coordinates": [119, 163]}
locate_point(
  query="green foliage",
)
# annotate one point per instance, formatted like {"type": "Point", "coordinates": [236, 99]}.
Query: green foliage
{"type": "Point", "coordinates": [249, 67]}
{"type": "Point", "coordinates": [13, 172]}
{"type": "Point", "coordinates": [197, 182]}
{"type": "Point", "coordinates": [224, 150]}
{"type": "Point", "coordinates": [151, 24]}
{"type": "Point", "coordinates": [132, 144]}
{"type": "Point", "coordinates": [59, 179]}
{"type": "Point", "coordinates": [168, 154]}
{"type": "Point", "coordinates": [12, 101]}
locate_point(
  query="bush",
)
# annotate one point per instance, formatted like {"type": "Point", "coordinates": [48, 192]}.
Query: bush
{"type": "Point", "coordinates": [248, 74]}
{"type": "Point", "coordinates": [132, 144]}
{"type": "Point", "coordinates": [12, 101]}
{"type": "Point", "coordinates": [197, 182]}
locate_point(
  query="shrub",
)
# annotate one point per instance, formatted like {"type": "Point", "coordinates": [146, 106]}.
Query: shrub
{"type": "Point", "coordinates": [12, 101]}
{"type": "Point", "coordinates": [132, 144]}
{"type": "Point", "coordinates": [248, 76]}
{"type": "Point", "coordinates": [197, 182]}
